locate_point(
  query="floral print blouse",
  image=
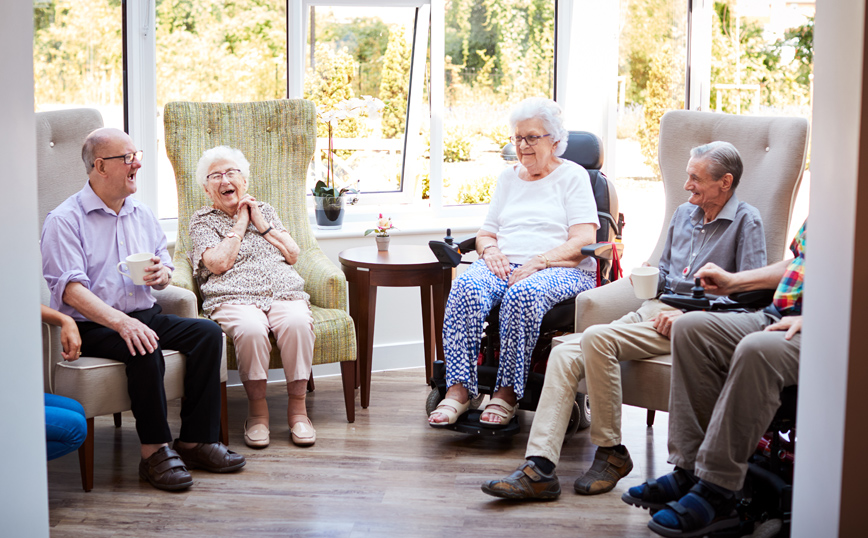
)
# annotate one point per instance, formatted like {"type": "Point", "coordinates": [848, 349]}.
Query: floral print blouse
{"type": "Point", "coordinates": [260, 274]}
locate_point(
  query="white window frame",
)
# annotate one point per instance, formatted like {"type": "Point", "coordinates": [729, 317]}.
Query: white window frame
{"type": "Point", "coordinates": [578, 54]}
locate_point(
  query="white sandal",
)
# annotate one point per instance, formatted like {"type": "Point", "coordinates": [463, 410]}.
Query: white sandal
{"type": "Point", "coordinates": [498, 407]}
{"type": "Point", "coordinates": [452, 409]}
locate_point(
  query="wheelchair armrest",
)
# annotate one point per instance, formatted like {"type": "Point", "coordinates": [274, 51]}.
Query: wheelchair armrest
{"type": "Point", "coordinates": [602, 251]}
{"type": "Point", "coordinates": [754, 299]}
{"type": "Point", "coordinates": [466, 244]}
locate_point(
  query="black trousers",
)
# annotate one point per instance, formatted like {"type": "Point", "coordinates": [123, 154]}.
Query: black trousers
{"type": "Point", "coordinates": [200, 340]}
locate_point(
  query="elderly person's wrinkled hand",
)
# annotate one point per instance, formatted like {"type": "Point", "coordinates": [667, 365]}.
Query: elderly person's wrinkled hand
{"type": "Point", "coordinates": [525, 270]}
{"type": "Point", "coordinates": [714, 279]}
{"type": "Point", "coordinates": [255, 213]}
{"type": "Point", "coordinates": [662, 322]}
{"type": "Point", "coordinates": [158, 275]}
{"type": "Point", "coordinates": [138, 336]}
{"type": "Point", "coordinates": [497, 262]}
{"type": "Point", "coordinates": [791, 324]}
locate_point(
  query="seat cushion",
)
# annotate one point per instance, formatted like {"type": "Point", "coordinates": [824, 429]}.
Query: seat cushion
{"type": "Point", "coordinates": [100, 385]}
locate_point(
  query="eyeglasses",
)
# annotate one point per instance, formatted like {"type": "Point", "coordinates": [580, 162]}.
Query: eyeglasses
{"type": "Point", "coordinates": [532, 140]}
{"type": "Point", "coordinates": [232, 173]}
{"type": "Point", "coordinates": [128, 158]}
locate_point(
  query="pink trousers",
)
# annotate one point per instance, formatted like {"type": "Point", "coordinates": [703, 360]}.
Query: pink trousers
{"type": "Point", "coordinates": [248, 326]}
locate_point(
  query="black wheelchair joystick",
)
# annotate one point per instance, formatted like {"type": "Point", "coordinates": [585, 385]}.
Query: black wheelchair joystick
{"type": "Point", "coordinates": [697, 289]}
{"type": "Point", "coordinates": [448, 239]}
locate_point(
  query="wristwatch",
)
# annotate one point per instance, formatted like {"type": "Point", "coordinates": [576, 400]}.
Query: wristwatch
{"type": "Point", "coordinates": [233, 234]}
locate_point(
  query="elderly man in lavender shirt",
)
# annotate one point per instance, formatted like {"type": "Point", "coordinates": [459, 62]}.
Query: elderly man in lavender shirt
{"type": "Point", "coordinates": [83, 240]}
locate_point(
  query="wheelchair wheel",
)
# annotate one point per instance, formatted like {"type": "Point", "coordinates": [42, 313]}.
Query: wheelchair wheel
{"type": "Point", "coordinates": [580, 417]}
{"type": "Point", "coordinates": [768, 529]}
{"type": "Point", "coordinates": [431, 402]}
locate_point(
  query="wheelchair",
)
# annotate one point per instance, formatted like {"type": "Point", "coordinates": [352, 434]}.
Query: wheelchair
{"type": "Point", "coordinates": [765, 502]}
{"type": "Point", "coordinates": [585, 149]}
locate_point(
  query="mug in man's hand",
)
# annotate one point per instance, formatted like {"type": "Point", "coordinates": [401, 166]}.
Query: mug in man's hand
{"type": "Point", "coordinates": [136, 264]}
{"type": "Point", "coordinates": [645, 282]}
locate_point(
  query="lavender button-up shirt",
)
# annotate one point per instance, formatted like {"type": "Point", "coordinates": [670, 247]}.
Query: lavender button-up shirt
{"type": "Point", "coordinates": [83, 241]}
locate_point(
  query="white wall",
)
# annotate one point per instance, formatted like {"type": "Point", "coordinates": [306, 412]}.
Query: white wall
{"type": "Point", "coordinates": [23, 494]}
{"type": "Point", "coordinates": [824, 417]}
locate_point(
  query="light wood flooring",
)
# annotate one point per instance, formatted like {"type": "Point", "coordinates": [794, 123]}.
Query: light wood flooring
{"type": "Point", "coordinates": [387, 475]}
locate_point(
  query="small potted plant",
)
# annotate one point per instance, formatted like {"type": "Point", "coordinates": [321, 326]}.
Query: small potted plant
{"type": "Point", "coordinates": [328, 199]}
{"type": "Point", "coordinates": [384, 224]}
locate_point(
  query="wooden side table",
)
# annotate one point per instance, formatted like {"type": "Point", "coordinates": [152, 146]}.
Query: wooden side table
{"type": "Point", "coordinates": [366, 268]}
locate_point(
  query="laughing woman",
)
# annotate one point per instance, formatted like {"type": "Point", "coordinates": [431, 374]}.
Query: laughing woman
{"type": "Point", "coordinates": [542, 214]}
{"type": "Point", "coordinates": [243, 258]}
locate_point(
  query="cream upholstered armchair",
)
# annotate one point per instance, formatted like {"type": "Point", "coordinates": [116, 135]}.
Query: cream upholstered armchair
{"type": "Point", "coordinates": [99, 385]}
{"type": "Point", "coordinates": [773, 150]}
{"type": "Point", "coordinates": [278, 138]}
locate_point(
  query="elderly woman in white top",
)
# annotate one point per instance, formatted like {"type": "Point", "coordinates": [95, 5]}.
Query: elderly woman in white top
{"type": "Point", "coordinates": [243, 257]}
{"type": "Point", "coordinates": [542, 214]}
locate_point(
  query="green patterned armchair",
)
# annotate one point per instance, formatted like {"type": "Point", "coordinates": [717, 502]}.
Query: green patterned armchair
{"type": "Point", "coordinates": [278, 138]}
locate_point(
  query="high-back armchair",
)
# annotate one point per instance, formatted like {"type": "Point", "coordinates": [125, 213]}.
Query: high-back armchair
{"type": "Point", "coordinates": [99, 385]}
{"type": "Point", "coordinates": [278, 138]}
{"type": "Point", "coordinates": [773, 150]}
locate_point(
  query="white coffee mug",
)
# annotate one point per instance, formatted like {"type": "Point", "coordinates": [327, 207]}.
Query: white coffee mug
{"type": "Point", "coordinates": [645, 282]}
{"type": "Point", "coordinates": [136, 264]}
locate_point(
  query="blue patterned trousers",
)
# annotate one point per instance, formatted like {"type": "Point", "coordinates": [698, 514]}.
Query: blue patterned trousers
{"type": "Point", "coordinates": [524, 304]}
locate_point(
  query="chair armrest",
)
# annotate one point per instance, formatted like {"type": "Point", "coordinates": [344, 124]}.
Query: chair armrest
{"type": "Point", "coordinates": [51, 349]}
{"type": "Point", "coordinates": [323, 281]}
{"type": "Point", "coordinates": [177, 301]}
{"type": "Point", "coordinates": [605, 304]}
{"type": "Point", "coordinates": [182, 276]}
{"type": "Point", "coordinates": [602, 251]}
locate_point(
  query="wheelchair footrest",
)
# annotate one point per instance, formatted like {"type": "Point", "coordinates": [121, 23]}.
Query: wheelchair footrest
{"type": "Point", "coordinates": [469, 423]}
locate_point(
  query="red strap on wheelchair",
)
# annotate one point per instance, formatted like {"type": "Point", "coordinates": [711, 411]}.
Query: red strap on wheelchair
{"type": "Point", "coordinates": [617, 272]}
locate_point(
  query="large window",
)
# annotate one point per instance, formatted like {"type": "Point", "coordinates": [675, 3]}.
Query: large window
{"type": "Point", "coordinates": [77, 57]}
{"type": "Point", "coordinates": [362, 52]}
{"type": "Point", "coordinates": [211, 50]}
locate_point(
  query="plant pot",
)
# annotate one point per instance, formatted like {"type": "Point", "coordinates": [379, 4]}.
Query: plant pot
{"type": "Point", "coordinates": [329, 212]}
{"type": "Point", "coordinates": [383, 243]}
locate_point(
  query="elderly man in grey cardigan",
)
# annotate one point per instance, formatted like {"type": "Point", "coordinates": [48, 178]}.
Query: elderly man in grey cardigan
{"type": "Point", "coordinates": [712, 226]}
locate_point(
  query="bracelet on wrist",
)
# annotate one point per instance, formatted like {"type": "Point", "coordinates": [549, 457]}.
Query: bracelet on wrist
{"type": "Point", "coordinates": [270, 227]}
{"type": "Point", "coordinates": [546, 260]}
{"type": "Point", "coordinates": [482, 252]}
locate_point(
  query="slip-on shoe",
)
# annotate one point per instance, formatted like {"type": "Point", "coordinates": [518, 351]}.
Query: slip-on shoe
{"type": "Point", "coordinates": [213, 457]}
{"type": "Point", "coordinates": [164, 469]}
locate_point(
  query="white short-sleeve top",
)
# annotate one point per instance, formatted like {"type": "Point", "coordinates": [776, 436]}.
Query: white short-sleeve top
{"type": "Point", "coordinates": [533, 217]}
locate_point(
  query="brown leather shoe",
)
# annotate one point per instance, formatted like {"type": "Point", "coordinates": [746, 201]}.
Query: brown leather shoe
{"type": "Point", "coordinates": [214, 457]}
{"type": "Point", "coordinates": [165, 470]}
{"type": "Point", "coordinates": [609, 467]}
{"type": "Point", "coordinates": [527, 482]}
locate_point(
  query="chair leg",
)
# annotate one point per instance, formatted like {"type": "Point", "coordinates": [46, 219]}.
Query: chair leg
{"type": "Point", "coordinates": [118, 420]}
{"type": "Point", "coordinates": [224, 415]}
{"type": "Point", "coordinates": [85, 458]}
{"type": "Point", "coordinates": [348, 378]}
{"type": "Point", "coordinates": [649, 420]}
{"type": "Point", "coordinates": [310, 386]}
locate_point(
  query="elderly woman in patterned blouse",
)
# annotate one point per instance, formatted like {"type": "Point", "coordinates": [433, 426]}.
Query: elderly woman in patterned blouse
{"type": "Point", "coordinates": [243, 257]}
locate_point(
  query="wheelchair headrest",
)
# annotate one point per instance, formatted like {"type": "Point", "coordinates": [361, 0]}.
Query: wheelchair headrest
{"type": "Point", "coordinates": [586, 149]}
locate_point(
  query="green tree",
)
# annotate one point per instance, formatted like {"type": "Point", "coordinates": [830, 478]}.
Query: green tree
{"type": "Point", "coordinates": [366, 40]}
{"type": "Point", "coordinates": [330, 83]}
{"type": "Point", "coordinates": [660, 98]}
{"type": "Point", "coordinates": [395, 84]}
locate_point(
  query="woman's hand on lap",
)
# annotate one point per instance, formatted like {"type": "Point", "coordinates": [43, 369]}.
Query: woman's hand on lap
{"type": "Point", "coordinates": [497, 263]}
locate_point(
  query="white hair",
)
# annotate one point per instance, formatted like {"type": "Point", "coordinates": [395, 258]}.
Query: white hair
{"type": "Point", "coordinates": [551, 115]}
{"type": "Point", "coordinates": [221, 153]}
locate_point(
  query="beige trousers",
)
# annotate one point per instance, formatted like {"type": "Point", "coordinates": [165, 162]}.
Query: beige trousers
{"type": "Point", "coordinates": [248, 326]}
{"type": "Point", "coordinates": [595, 355]}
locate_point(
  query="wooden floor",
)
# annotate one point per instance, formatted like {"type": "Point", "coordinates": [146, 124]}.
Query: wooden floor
{"type": "Point", "coordinates": [388, 474]}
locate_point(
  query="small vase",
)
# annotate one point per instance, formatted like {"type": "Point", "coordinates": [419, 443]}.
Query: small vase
{"type": "Point", "coordinates": [383, 243]}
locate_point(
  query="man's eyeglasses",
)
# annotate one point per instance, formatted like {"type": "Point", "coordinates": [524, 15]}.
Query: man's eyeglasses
{"type": "Point", "coordinates": [232, 173]}
{"type": "Point", "coordinates": [531, 140]}
{"type": "Point", "coordinates": [128, 158]}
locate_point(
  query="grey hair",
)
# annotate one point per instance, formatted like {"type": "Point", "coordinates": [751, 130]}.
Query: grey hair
{"type": "Point", "coordinates": [722, 159]}
{"type": "Point", "coordinates": [221, 153]}
{"type": "Point", "coordinates": [551, 115]}
{"type": "Point", "coordinates": [94, 141]}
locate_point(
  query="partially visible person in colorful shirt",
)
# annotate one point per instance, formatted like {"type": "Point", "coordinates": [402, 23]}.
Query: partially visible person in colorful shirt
{"type": "Point", "coordinates": [728, 371]}
{"type": "Point", "coordinates": [243, 257]}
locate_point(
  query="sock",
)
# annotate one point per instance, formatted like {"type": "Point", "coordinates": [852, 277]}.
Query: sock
{"type": "Point", "coordinates": [723, 492]}
{"type": "Point", "coordinates": [544, 465]}
{"type": "Point", "coordinates": [620, 449]}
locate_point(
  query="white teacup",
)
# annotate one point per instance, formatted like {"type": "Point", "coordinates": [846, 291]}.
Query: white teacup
{"type": "Point", "coordinates": [136, 264]}
{"type": "Point", "coordinates": [645, 282]}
